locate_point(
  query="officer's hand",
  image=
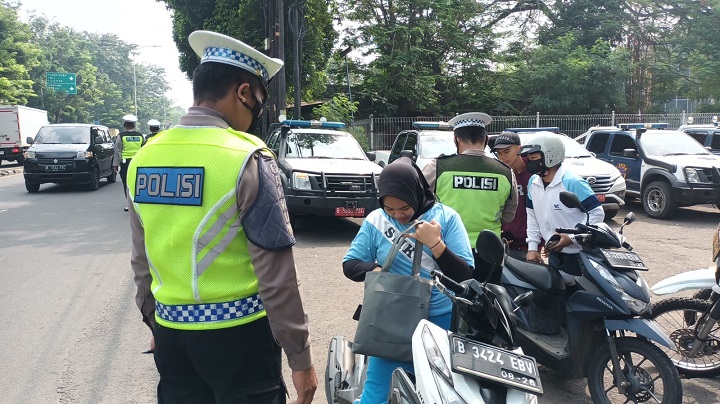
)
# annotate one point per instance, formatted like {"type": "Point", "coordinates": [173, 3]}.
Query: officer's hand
{"type": "Point", "coordinates": [534, 256]}
{"type": "Point", "coordinates": [305, 382]}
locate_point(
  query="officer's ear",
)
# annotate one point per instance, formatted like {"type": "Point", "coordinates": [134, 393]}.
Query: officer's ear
{"type": "Point", "coordinates": [243, 91]}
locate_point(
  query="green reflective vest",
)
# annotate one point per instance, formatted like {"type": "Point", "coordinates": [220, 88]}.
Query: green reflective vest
{"type": "Point", "coordinates": [477, 187]}
{"type": "Point", "coordinates": [131, 142]}
{"type": "Point", "coordinates": [203, 276]}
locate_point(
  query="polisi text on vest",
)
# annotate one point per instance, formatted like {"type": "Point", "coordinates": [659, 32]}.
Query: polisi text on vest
{"type": "Point", "coordinates": [475, 182]}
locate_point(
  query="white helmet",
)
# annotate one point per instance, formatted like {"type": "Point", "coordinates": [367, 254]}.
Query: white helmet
{"type": "Point", "coordinates": [154, 122]}
{"type": "Point", "coordinates": [549, 145]}
{"type": "Point", "coordinates": [130, 118]}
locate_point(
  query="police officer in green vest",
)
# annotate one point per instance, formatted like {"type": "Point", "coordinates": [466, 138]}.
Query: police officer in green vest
{"type": "Point", "coordinates": [212, 243]}
{"type": "Point", "coordinates": [127, 144]}
{"type": "Point", "coordinates": [479, 187]}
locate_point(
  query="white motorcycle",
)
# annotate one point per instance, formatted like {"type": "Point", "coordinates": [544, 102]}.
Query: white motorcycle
{"type": "Point", "coordinates": [476, 362]}
{"type": "Point", "coordinates": [691, 322]}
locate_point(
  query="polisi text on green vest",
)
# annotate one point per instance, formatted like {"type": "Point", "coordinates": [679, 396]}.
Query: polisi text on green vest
{"type": "Point", "coordinates": [475, 182]}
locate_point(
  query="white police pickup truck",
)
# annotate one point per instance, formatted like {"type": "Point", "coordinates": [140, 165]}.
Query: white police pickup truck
{"type": "Point", "coordinates": [324, 170]}
{"type": "Point", "coordinates": [666, 169]}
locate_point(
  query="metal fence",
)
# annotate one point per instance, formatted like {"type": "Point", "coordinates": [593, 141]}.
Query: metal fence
{"type": "Point", "coordinates": [381, 132]}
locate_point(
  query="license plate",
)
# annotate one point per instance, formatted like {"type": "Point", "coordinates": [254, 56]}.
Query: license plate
{"type": "Point", "coordinates": [601, 198]}
{"type": "Point", "coordinates": [498, 365]}
{"type": "Point", "coordinates": [58, 167]}
{"type": "Point", "coordinates": [624, 259]}
{"type": "Point", "coordinates": [349, 212]}
{"type": "Point", "coordinates": [2, 152]}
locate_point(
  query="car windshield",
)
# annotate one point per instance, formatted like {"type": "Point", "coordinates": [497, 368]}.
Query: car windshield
{"type": "Point", "coordinates": [63, 135]}
{"type": "Point", "coordinates": [323, 145]}
{"type": "Point", "coordinates": [574, 149]}
{"type": "Point", "coordinates": [432, 146]}
{"type": "Point", "coordinates": [670, 143]}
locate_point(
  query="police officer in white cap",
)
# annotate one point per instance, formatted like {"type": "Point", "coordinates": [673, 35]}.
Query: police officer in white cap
{"type": "Point", "coordinates": [154, 126]}
{"type": "Point", "coordinates": [127, 144]}
{"type": "Point", "coordinates": [212, 242]}
{"type": "Point", "coordinates": [480, 188]}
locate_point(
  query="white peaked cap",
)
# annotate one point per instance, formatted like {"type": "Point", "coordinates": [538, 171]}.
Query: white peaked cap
{"type": "Point", "coordinates": [130, 118]}
{"type": "Point", "coordinates": [470, 119]}
{"type": "Point", "coordinates": [219, 48]}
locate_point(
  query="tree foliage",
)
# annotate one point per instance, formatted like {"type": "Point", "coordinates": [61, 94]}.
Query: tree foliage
{"type": "Point", "coordinates": [18, 55]}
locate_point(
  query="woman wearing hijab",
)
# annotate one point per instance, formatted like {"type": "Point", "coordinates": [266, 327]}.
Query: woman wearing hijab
{"type": "Point", "coordinates": [405, 197]}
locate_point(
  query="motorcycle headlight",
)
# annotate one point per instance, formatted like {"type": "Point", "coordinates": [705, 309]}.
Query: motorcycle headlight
{"type": "Point", "coordinates": [84, 154]}
{"type": "Point", "coordinates": [30, 154]}
{"type": "Point", "coordinates": [636, 306]}
{"type": "Point", "coordinates": [692, 175]}
{"type": "Point", "coordinates": [440, 369]}
{"type": "Point", "coordinates": [301, 181]}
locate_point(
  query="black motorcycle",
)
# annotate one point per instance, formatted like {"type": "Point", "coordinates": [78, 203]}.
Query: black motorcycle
{"type": "Point", "coordinates": [598, 330]}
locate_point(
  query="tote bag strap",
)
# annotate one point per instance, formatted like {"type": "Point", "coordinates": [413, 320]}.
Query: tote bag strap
{"type": "Point", "coordinates": [397, 243]}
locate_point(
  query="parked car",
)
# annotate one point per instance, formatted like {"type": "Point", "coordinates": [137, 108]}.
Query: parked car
{"type": "Point", "coordinates": [324, 170]}
{"type": "Point", "coordinates": [707, 135]}
{"type": "Point", "coordinates": [604, 179]}
{"type": "Point", "coordinates": [69, 153]}
{"type": "Point", "coordinates": [666, 169]}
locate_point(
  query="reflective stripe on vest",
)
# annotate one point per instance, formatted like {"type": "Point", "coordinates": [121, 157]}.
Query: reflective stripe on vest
{"type": "Point", "coordinates": [477, 187]}
{"type": "Point", "coordinates": [210, 312]}
{"type": "Point", "coordinates": [203, 276]}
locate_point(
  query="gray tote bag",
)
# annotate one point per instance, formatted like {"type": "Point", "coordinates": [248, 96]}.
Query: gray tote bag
{"type": "Point", "coordinates": [393, 305]}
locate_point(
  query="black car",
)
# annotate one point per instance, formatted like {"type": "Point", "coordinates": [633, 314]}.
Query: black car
{"type": "Point", "coordinates": [69, 153]}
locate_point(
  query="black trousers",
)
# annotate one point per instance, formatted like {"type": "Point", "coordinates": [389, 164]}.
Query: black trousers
{"type": "Point", "coordinates": [123, 174]}
{"type": "Point", "coordinates": [238, 365]}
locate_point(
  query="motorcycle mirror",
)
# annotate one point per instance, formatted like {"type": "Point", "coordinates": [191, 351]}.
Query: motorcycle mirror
{"type": "Point", "coordinates": [523, 299]}
{"type": "Point", "coordinates": [629, 218]}
{"type": "Point", "coordinates": [571, 200]}
{"type": "Point", "coordinates": [490, 248]}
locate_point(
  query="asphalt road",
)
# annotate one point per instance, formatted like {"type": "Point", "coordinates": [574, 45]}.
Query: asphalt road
{"type": "Point", "coordinates": [71, 332]}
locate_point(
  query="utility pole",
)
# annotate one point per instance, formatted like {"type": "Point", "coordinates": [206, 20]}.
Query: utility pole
{"type": "Point", "coordinates": [297, 25]}
{"type": "Point", "coordinates": [276, 42]}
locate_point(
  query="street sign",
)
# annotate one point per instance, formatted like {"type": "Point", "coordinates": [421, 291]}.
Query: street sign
{"type": "Point", "coordinates": [61, 82]}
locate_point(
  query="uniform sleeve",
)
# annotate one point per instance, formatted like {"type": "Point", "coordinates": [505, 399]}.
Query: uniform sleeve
{"type": "Point", "coordinates": [511, 204]}
{"type": "Point", "coordinates": [430, 173]}
{"type": "Point", "coordinates": [118, 151]}
{"type": "Point", "coordinates": [141, 270]}
{"type": "Point", "coordinates": [533, 228]}
{"type": "Point", "coordinates": [279, 284]}
{"type": "Point", "coordinates": [456, 238]}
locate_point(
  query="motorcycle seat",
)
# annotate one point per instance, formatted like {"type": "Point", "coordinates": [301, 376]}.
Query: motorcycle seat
{"type": "Point", "coordinates": [543, 277]}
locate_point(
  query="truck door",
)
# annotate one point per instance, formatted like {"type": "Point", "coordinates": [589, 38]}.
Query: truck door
{"type": "Point", "coordinates": [398, 146]}
{"type": "Point", "coordinates": [629, 167]}
{"type": "Point", "coordinates": [715, 143]}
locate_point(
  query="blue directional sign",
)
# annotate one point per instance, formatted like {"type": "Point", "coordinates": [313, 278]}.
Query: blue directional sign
{"type": "Point", "coordinates": [61, 82]}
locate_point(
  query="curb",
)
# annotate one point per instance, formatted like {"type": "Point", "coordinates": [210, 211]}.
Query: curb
{"type": "Point", "coordinates": [10, 171]}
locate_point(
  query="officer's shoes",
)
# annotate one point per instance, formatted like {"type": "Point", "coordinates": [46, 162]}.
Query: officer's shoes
{"type": "Point", "coordinates": [125, 209]}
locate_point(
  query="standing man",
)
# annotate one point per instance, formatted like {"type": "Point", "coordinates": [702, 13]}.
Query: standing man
{"type": "Point", "coordinates": [154, 125]}
{"type": "Point", "coordinates": [127, 144]}
{"type": "Point", "coordinates": [507, 147]}
{"type": "Point", "coordinates": [481, 189]}
{"type": "Point", "coordinates": [545, 154]}
{"type": "Point", "coordinates": [212, 241]}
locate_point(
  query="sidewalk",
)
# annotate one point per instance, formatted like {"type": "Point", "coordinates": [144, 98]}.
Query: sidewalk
{"type": "Point", "coordinates": [10, 171]}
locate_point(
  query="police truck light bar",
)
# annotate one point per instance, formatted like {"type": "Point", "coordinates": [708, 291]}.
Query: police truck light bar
{"type": "Point", "coordinates": [630, 126]}
{"type": "Point", "coordinates": [431, 125]}
{"type": "Point", "coordinates": [533, 130]}
{"type": "Point", "coordinates": [312, 124]}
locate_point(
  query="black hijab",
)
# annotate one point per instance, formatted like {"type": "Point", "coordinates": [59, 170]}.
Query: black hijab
{"type": "Point", "coordinates": [402, 179]}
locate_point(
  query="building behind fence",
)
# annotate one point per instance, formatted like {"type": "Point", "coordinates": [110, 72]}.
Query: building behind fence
{"type": "Point", "coordinates": [381, 132]}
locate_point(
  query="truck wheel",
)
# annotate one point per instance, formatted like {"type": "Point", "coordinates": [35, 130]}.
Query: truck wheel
{"type": "Point", "coordinates": [610, 213]}
{"type": "Point", "coordinates": [658, 201]}
{"type": "Point", "coordinates": [32, 188]}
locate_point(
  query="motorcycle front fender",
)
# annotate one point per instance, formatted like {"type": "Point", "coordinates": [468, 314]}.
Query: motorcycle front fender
{"type": "Point", "coordinates": [690, 280]}
{"type": "Point", "coordinates": [640, 326]}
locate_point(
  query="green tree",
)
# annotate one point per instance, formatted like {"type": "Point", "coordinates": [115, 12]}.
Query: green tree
{"type": "Point", "coordinates": [18, 55]}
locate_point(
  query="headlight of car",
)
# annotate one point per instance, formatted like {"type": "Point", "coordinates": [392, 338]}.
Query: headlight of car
{"type": "Point", "coordinates": [84, 154]}
{"type": "Point", "coordinates": [692, 175]}
{"type": "Point", "coordinates": [30, 154]}
{"type": "Point", "coordinates": [301, 181]}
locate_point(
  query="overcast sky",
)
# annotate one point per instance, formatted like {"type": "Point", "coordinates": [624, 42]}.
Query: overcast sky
{"type": "Point", "coordinates": [140, 22]}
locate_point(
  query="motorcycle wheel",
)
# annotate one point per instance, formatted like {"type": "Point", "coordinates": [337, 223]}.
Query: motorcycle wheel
{"type": "Point", "coordinates": [651, 374]}
{"type": "Point", "coordinates": [679, 318]}
{"type": "Point", "coordinates": [703, 294]}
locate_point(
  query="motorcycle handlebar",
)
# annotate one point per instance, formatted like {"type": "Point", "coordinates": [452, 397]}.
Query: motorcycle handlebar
{"type": "Point", "coordinates": [566, 230]}
{"type": "Point", "coordinates": [458, 289]}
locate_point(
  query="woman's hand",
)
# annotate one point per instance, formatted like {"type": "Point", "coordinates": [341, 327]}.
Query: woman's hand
{"type": "Point", "coordinates": [430, 234]}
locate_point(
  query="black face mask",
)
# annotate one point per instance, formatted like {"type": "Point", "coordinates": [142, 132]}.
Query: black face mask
{"type": "Point", "coordinates": [256, 111]}
{"type": "Point", "coordinates": [536, 167]}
